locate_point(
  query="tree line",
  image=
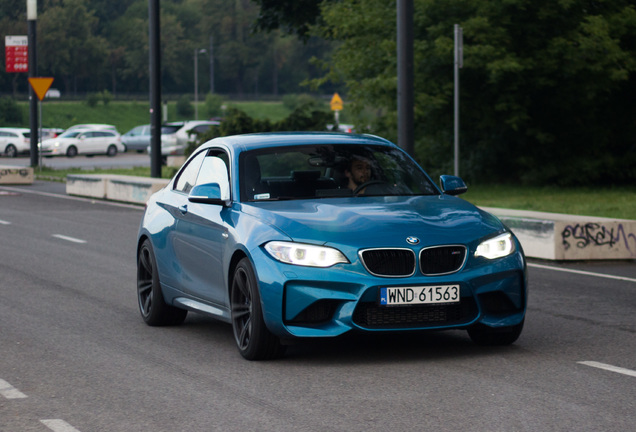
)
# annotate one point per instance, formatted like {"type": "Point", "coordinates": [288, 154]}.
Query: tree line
{"type": "Point", "coordinates": [547, 87]}
{"type": "Point", "coordinates": [95, 45]}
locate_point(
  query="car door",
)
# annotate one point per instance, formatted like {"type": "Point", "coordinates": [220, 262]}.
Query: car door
{"type": "Point", "coordinates": [87, 143]}
{"type": "Point", "coordinates": [201, 237]}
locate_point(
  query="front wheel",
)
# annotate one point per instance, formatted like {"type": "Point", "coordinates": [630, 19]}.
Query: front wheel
{"type": "Point", "coordinates": [11, 151]}
{"type": "Point", "coordinates": [71, 151]}
{"type": "Point", "coordinates": [153, 308]}
{"type": "Point", "coordinates": [253, 339]}
{"type": "Point", "coordinates": [484, 335]}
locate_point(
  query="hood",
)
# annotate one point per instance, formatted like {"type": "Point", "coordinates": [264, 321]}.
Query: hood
{"type": "Point", "coordinates": [378, 221]}
{"type": "Point", "coordinates": [52, 141]}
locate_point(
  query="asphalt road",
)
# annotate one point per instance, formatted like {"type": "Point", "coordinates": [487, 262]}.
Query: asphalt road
{"type": "Point", "coordinates": [76, 356]}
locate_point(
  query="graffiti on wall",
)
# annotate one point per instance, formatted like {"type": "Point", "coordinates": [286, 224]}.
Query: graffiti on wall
{"type": "Point", "coordinates": [22, 172]}
{"type": "Point", "coordinates": [595, 235]}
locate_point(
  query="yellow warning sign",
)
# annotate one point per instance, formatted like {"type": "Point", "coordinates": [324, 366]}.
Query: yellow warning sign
{"type": "Point", "coordinates": [41, 86]}
{"type": "Point", "coordinates": [336, 102]}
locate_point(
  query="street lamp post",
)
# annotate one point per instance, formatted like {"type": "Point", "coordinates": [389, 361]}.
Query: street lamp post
{"type": "Point", "coordinates": [196, 81]}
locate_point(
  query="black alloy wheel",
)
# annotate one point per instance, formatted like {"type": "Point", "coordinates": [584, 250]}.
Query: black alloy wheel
{"type": "Point", "coordinates": [253, 339]}
{"type": "Point", "coordinates": [153, 308]}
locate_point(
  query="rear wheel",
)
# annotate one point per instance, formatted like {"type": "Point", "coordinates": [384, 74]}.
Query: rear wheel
{"type": "Point", "coordinates": [253, 339]}
{"type": "Point", "coordinates": [11, 151]}
{"type": "Point", "coordinates": [153, 308]}
{"type": "Point", "coordinates": [71, 151]}
{"type": "Point", "coordinates": [112, 150]}
{"type": "Point", "coordinates": [484, 335]}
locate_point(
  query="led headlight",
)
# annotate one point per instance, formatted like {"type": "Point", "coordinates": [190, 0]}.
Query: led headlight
{"type": "Point", "coordinates": [304, 254]}
{"type": "Point", "coordinates": [496, 247]}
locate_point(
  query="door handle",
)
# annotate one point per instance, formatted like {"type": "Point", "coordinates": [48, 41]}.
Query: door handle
{"type": "Point", "coordinates": [183, 209]}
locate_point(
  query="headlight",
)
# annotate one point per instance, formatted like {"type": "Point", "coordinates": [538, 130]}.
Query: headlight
{"type": "Point", "coordinates": [496, 247]}
{"type": "Point", "coordinates": [304, 254]}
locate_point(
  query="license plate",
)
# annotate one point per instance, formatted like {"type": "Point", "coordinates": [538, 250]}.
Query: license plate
{"type": "Point", "coordinates": [419, 295]}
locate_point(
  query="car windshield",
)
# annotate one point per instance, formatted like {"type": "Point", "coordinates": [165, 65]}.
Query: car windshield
{"type": "Point", "coordinates": [167, 130]}
{"type": "Point", "coordinates": [327, 171]}
{"type": "Point", "coordinates": [70, 134]}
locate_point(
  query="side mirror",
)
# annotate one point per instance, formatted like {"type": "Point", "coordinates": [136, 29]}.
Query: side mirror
{"type": "Point", "coordinates": [209, 193]}
{"type": "Point", "coordinates": [452, 185]}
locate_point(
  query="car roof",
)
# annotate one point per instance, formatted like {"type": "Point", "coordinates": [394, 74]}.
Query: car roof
{"type": "Point", "coordinates": [15, 129]}
{"type": "Point", "coordinates": [274, 139]}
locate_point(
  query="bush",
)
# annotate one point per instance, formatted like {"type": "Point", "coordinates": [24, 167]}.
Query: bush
{"type": "Point", "coordinates": [92, 99]}
{"type": "Point", "coordinates": [213, 103]}
{"type": "Point", "coordinates": [184, 107]}
{"type": "Point", "coordinates": [10, 112]}
{"type": "Point", "coordinates": [106, 97]}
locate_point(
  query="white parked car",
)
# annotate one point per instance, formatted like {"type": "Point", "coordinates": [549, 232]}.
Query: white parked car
{"type": "Point", "coordinates": [93, 126]}
{"type": "Point", "coordinates": [85, 142]}
{"type": "Point", "coordinates": [14, 141]}
{"type": "Point", "coordinates": [176, 136]}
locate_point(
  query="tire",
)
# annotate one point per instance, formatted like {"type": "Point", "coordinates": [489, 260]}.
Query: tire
{"type": "Point", "coordinates": [153, 308]}
{"type": "Point", "coordinates": [112, 151]}
{"type": "Point", "coordinates": [71, 151]}
{"type": "Point", "coordinates": [11, 151]}
{"type": "Point", "coordinates": [489, 336]}
{"type": "Point", "coordinates": [253, 340]}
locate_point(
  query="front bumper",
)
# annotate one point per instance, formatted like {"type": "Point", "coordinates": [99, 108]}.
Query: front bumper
{"type": "Point", "coordinates": [309, 302]}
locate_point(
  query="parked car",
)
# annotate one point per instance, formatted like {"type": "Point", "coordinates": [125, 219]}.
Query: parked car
{"type": "Point", "coordinates": [176, 136]}
{"type": "Point", "coordinates": [15, 141]}
{"type": "Point", "coordinates": [138, 138]}
{"type": "Point", "coordinates": [83, 141]}
{"type": "Point", "coordinates": [300, 235]}
{"type": "Point", "coordinates": [93, 126]}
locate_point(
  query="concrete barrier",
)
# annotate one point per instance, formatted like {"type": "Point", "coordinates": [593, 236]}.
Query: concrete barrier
{"type": "Point", "coordinates": [549, 236]}
{"type": "Point", "coordinates": [555, 236]}
{"type": "Point", "coordinates": [16, 175]}
{"type": "Point", "coordinates": [130, 189]}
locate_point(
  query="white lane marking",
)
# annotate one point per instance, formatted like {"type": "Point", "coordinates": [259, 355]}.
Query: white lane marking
{"type": "Point", "coordinates": [74, 198]}
{"type": "Point", "coordinates": [581, 272]}
{"type": "Point", "coordinates": [3, 222]}
{"type": "Point", "coordinates": [607, 367]}
{"type": "Point", "coordinates": [58, 425]}
{"type": "Point", "coordinates": [10, 392]}
{"type": "Point", "coordinates": [71, 239]}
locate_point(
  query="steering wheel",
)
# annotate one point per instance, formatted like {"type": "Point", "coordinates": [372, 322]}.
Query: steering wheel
{"type": "Point", "coordinates": [366, 184]}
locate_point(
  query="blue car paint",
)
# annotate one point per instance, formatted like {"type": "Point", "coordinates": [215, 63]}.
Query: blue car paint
{"type": "Point", "coordinates": [348, 224]}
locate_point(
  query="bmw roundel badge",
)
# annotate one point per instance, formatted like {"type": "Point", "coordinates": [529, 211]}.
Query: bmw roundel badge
{"type": "Point", "coordinates": [412, 240]}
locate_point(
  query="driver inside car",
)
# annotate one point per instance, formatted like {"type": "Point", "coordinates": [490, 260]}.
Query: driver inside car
{"type": "Point", "coordinates": [358, 173]}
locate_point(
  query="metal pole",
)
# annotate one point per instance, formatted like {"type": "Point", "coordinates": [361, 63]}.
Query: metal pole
{"type": "Point", "coordinates": [196, 84]}
{"type": "Point", "coordinates": [212, 64]}
{"type": "Point", "coordinates": [32, 15]}
{"type": "Point", "coordinates": [405, 75]}
{"type": "Point", "coordinates": [458, 64]}
{"type": "Point", "coordinates": [155, 88]}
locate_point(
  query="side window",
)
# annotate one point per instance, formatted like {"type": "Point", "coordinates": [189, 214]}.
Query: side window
{"type": "Point", "coordinates": [215, 170]}
{"type": "Point", "coordinates": [188, 175]}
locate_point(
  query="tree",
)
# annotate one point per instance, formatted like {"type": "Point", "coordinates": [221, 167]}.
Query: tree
{"type": "Point", "coordinates": [291, 16]}
{"type": "Point", "coordinates": [547, 86]}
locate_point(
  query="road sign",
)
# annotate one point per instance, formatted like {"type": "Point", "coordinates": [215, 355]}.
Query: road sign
{"type": "Point", "coordinates": [336, 102]}
{"type": "Point", "coordinates": [16, 53]}
{"type": "Point", "coordinates": [40, 86]}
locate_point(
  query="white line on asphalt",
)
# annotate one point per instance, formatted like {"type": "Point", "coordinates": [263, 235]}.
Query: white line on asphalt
{"type": "Point", "coordinates": [3, 222]}
{"type": "Point", "coordinates": [74, 198]}
{"type": "Point", "coordinates": [58, 425]}
{"type": "Point", "coordinates": [10, 392]}
{"type": "Point", "coordinates": [71, 239]}
{"type": "Point", "coordinates": [609, 367]}
{"type": "Point", "coordinates": [581, 272]}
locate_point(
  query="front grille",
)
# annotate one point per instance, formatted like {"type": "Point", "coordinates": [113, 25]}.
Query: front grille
{"type": "Point", "coordinates": [389, 262]}
{"type": "Point", "coordinates": [442, 259]}
{"type": "Point", "coordinates": [370, 315]}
